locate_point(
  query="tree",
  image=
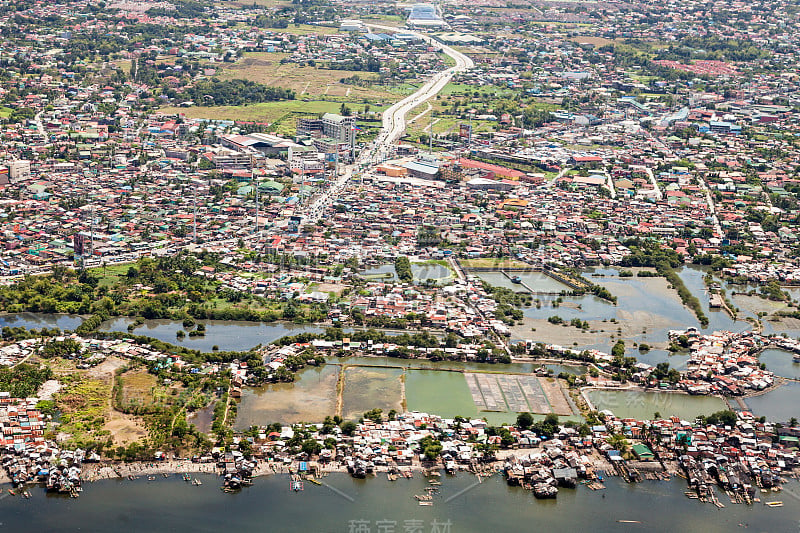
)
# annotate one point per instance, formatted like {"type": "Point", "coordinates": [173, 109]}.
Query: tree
{"type": "Point", "coordinates": [724, 418]}
{"type": "Point", "coordinates": [245, 447]}
{"type": "Point", "coordinates": [311, 447]}
{"type": "Point", "coordinates": [430, 447]}
{"type": "Point", "coordinates": [524, 420]}
{"type": "Point", "coordinates": [348, 428]}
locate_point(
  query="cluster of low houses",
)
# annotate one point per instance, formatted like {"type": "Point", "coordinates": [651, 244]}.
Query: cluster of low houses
{"type": "Point", "coordinates": [743, 456]}
{"type": "Point", "coordinates": [25, 455]}
{"type": "Point", "coordinates": [13, 353]}
{"type": "Point", "coordinates": [724, 363]}
{"type": "Point", "coordinates": [739, 457]}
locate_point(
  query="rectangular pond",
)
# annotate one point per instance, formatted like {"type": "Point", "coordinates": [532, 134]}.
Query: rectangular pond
{"type": "Point", "coordinates": [367, 388]}
{"type": "Point", "coordinates": [643, 405]}
{"type": "Point", "coordinates": [310, 398]}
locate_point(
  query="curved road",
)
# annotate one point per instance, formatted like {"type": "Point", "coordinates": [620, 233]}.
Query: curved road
{"type": "Point", "coordinates": [394, 124]}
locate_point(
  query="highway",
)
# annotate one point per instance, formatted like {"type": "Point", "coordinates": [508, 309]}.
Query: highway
{"type": "Point", "coordinates": [394, 124]}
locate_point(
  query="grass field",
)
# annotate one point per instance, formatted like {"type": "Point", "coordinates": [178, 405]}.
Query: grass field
{"type": "Point", "coordinates": [264, 112]}
{"type": "Point", "coordinates": [5, 112]}
{"type": "Point", "coordinates": [305, 29]}
{"type": "Point", "coordinates": [84, 408]}
{"type": "Point", "coordinates": [110, 275]}
{"type": "Point", "coordinates": [139, 386]}
{"type": "Point", "coordinates": [266, 68]}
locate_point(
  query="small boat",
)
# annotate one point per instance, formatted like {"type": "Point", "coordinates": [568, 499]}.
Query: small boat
{"type": "Point", "coordinates": [166, 475]}
{"type": "Point", "coordinates": [12, 492]}
{"type": "Point", "coordinates": [434, 482]}
{"type": "Point", "coordinates": [796, 358]}
{"type": "Point", "coordinates": [516, 279]}
{"type": "Point", "coordinates": [314, 481]}
{"type": "Point", "coordinates": [187, 477]}
{"type": "Point", "coordinates": [151, 478]}
{"type": "Point", "coordinates": [26, 495]}
{"type": "Point", "coordinates": [426, 503]}
{"type": "Point", "coordinates": [629, 521]}
{"type": "Point", "coordinates": [773, 504]}
{"type": "Point", "coordinates": [297, 486]}
{"type": "Point", "coordinates": [196, 482]}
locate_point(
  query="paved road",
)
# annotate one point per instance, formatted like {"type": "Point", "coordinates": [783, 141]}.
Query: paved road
{"type": "Point", "coordinates": [394, 124]}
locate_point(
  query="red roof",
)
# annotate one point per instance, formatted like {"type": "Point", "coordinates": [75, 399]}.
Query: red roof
{"type": "Point", "coordinates": [497, 169]}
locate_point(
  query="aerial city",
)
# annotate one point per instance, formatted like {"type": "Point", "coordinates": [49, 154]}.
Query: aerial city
{"type": "Point", "coordinates": [382, 266]}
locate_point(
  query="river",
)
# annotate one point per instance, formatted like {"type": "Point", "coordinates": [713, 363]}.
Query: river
{"type": "Point", "coordinates": [463, 506]}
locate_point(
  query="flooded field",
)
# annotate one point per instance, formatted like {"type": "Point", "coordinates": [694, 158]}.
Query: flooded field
{"type": "Point", "coordinates": [310, 398]}
{"type": "Point", "coordinates": [202, 418]}
{"type": "Point", "coordinates": [415, 385]}
{"type": "Point", "coordinates": [647, 308]}
{"type": "Point", "coordinates": [643, 405]}
{"type": "Point", "coordinates": [368, 388]}
{"type": "Point", "coordinates": [535, 280]}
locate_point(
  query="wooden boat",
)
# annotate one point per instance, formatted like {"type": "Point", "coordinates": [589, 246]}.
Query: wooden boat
{"type": "Point", "coordinates": [12, 492]}
{"type": "Point", "coordinates": [26, 495]}
{"type": "Point", "coordinates": [196, 482]}
{"type": "Point", "coordinates": [426, 503]}
{"type": "Point", "coordinates": [773, 504]}
{"type": "Point", "coordinates": [516, 279]}
{"type": "Point", "coordinates": [314, 481]}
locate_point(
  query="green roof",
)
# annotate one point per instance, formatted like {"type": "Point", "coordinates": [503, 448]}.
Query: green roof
{"type": "Point", "coordinates": [642, 451]}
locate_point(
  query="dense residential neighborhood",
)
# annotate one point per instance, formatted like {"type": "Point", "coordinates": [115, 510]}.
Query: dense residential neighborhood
{"type": "Point", "coordinates": [269, 243]}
